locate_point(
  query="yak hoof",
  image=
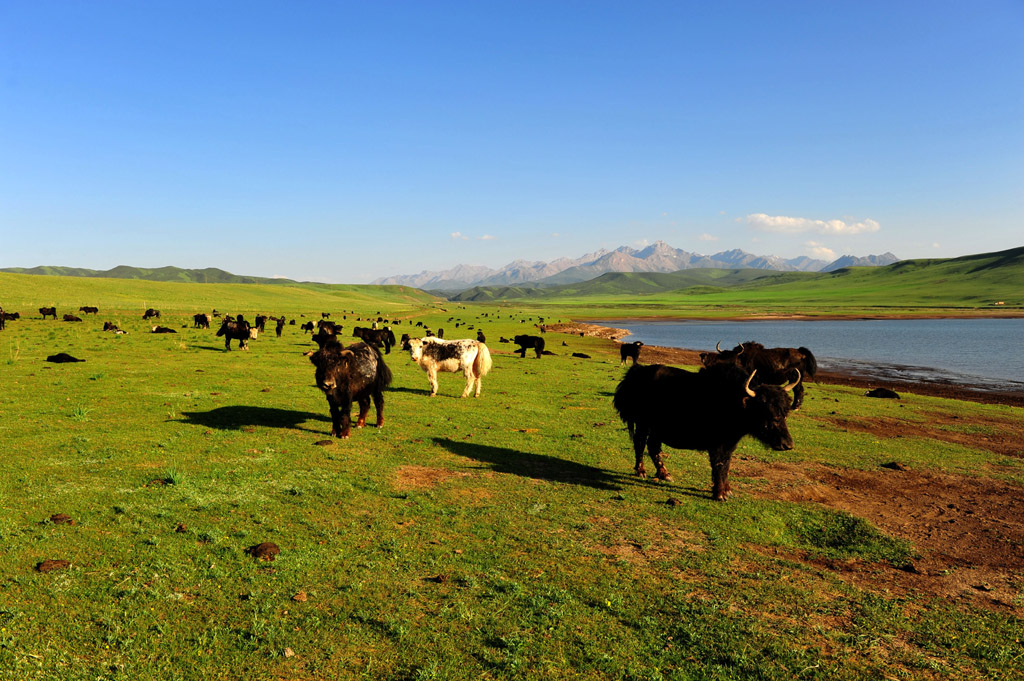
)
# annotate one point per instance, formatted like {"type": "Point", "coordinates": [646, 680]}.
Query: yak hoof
{"type": "Point", "coordinates": [663, 475]}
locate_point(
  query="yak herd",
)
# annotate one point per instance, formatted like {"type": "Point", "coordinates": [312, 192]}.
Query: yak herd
{"type": "Point", "coordinates": [743, 391]}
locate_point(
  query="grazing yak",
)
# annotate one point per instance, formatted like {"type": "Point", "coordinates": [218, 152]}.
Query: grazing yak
{"type": "Point", "coordinates": [470, 357]}
{"type": "Point", "coordinates": [627, 350]}
{"type": "Point", "coordinates": [356, 373]}
{"type": "Point", "coordinates": [527, 342]}
{"type": "Point", "coordinates": [774, 365]}
{"type": "Point", "coordinates": [201, 320]}
{"type": "Point", "coordinates": [150, 313]}
{"type": "Point", "coordinates": [711, 410]}
{"type": "Point", "coordinates": [377, 337]}
{"type": "Point", "coordinates": [261, 323]}
{"type": "Point", "coordinates": [88, 309]}
{"type": "Point", "coordinates": [308, 326]}
{"type": "Point", "coordinates": [48, 311]}
{"type": "Point", "coordinates": [237, 330]}
{"type": "Point", "coordinates": [280, 326]}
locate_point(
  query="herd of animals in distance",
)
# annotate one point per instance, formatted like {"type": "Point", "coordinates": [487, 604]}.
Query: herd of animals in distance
{"type": "Point", "coordinates": [748, 390]}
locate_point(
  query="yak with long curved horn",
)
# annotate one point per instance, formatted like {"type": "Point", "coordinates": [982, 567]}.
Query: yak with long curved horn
{"type": "Point", "coordinates": [718, 346]}
{"type": "Point", "coordinates": [789, 386]}
{"type": "Point", "coordinates": [747, 386]}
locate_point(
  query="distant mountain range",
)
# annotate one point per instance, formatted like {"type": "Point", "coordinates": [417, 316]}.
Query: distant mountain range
{"type": "Point", "coordinates": [658, 257]}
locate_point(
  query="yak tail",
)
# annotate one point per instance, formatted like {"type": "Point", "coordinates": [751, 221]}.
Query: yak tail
{"type": "Point", "coordinates": [630, 395]}
{"type": "Point", "coordinates": [482, 364]}
{"type": "Point", "coordinates": [220, 331]}
{"type": "Point", "coordinates": [810, 364]}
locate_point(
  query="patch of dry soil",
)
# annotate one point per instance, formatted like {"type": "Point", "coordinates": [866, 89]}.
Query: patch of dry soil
{"type": "Point", "coordinates": [969, 531]}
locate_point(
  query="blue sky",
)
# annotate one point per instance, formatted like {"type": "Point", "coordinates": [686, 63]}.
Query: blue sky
{"type": "Point", "coordinates": [344, 141]}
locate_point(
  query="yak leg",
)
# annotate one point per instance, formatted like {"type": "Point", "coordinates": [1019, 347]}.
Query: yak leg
{"type": "Point", "coordinates": [654, 449]}
{"type": "Point", "coordinates": [479, 385]}
{"type": "Point", "coordinates": [432, 377]}
{"type": "Point", "coordinates": [469, 380]}
{"type": "Point", "coordinates": [720, 460]}
{"type": "Point", "coordinates": [342, 417]}
{"type": "Point", "coordinates": [364, 409]}
{"type": "Point", "coordinates": [798, 395]}
{"type": "Point", "coordinates": [378, 405]}
{"type": "Point", "coordinates": [227, 342]}
{"type": "Point", "coordinates": [639, 443]}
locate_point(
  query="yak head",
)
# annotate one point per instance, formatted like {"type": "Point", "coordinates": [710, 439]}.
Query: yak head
{"type": "Point", "coordinates": [415, 348]}
{"type": "Point", "coordinates": [331, 362]}
{"type": "Point", "coordinates": [765, 409]}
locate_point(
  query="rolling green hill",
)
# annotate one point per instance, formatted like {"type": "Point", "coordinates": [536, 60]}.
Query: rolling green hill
{"type": "Point", "coordinates": [209, 275]}
{"type": "Point", "coordinates": [26, 293]}
{"type": "Point", "coordinates": [974, 281]}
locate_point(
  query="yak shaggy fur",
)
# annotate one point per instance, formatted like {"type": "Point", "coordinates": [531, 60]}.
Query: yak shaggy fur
{"type": "Point", "coordinates": [469, 356]}
{"type": "Point", "coordinates": [356, 373]}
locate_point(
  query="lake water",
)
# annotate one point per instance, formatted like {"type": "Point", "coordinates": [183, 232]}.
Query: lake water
{"type": "Point", "coordinates": [986, 352]}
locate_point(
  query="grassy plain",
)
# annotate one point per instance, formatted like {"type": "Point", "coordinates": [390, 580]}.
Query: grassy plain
{"type": "Point", "coordinates": [502, 537]}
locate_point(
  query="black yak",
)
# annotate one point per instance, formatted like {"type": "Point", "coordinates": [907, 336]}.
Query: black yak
{"type": "Point", "coordinates": [72, 318]}
{"type": "Point", "coordinates": [630, 350]}
{"type": "Point", "coordinates": [280, 326]}
{"type": "Point", "coordinates": [711, 410]}
{"type": "Point", "coordinates": [378, 337]}
{"type": "Point", "coordinates": [527, 342]}
{"type": "Point", "coordinates": [150, 313]}
{"type": "Point", "coordinates": [48, 311]}
{"type": "Point", "coordinates": [89, 309]}
{"type": "Point", "coordinates": [356, 373]}
{"type": "Point", "coordinates": [773, 365]}
{"type": "Point", "coordinates": [201, 320]}
{"type": "Point", "coordinates": [237, 330]}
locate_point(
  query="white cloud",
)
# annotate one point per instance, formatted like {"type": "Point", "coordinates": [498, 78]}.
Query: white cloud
{"type": "Point", "coordinates": [936, 245]}
{"type": "Point", "coordinates": [458, 235]}
{"type": "Point", "coordinates": [820, 251]}
{"type": "Point", "coordinates": [555, 234]}
{"type": "Point", "coordinates": [642, 243]}
{"type": "Point", "coordinates": [707, 237]}
{"type": "Point", "coordinates": [488, 237]}
{"type": "Point", "coordinates": [787, 225]}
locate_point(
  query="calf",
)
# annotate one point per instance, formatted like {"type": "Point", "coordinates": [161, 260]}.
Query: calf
{"type": "Point", "coordinates": [527, 342]}
{"type": "Point", "coordinates": [630, 350]}
{"type": "Point", "coordinates": [356, 373]}
{"type": "Point", "coordinates": [237, 330]}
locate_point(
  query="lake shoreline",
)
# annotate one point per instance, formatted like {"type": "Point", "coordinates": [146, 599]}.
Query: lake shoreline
{"type": "Point", "coordinates": [883, 378]}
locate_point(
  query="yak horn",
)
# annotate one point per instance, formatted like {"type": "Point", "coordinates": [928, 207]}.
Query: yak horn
{"type": "Point", "coordinates": [742, 348]}
{"type": "Point", "coordinates": [747, 386]}
{"type": "Point", "coordinates": [789, 386]}
{"type": "Point", "coordinates": [718, 346]}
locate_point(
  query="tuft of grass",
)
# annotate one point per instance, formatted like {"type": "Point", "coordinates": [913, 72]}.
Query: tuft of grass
{"type": "Point", "coordinates": [79, 413]}
{"type": "Point", "coordinates": [839, 534]}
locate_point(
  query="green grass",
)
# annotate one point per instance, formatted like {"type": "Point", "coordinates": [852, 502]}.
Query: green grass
{"type": "Point", "coordinates": [502, 537]}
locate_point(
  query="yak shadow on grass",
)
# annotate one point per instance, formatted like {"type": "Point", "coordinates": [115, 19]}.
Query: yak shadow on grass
{"type": "Point", "coordinates": [539, 466]}
{"type": "Point", "coordinates": [238, 417]}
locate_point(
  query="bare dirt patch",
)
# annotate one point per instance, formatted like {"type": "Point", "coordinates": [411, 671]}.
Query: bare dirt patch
{"type": "Point", "coordinates": [969, 531]}
{"type": "Point", "coordinates": [423, 477]}
{"type": "Point", "coordinates": [1001, 436]}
